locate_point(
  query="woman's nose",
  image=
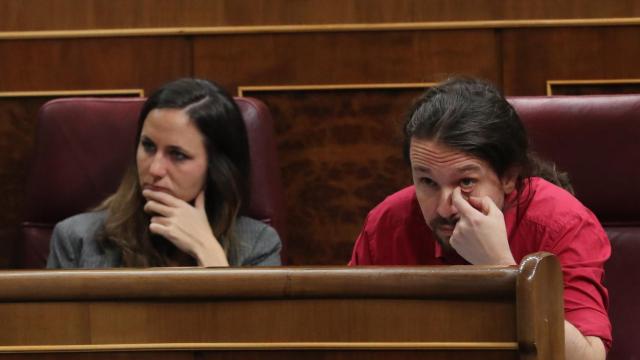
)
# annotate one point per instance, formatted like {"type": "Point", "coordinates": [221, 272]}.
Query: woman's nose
{"type": "Point", "coordinates": [158, 166]}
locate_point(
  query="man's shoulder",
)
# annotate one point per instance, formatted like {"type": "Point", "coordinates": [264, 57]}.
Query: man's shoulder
{"type": "Point", "coordinates": [551, 205]}
{"type": "Point", "coordinates": [553, 197]}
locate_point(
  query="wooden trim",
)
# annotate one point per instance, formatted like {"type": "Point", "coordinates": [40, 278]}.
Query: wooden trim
{"type": "Point", "coordinates": [61, 93]}
{"type": "Point", "coordinates": [249, 283]}
{"type": "Point", "coordinates": [540, 318]}
{"type": "Point", "coordinates": [309, 87]}
{"type": "Point", "coordinates": [312, 28]}
{"type": "Point", "coordinates": [551, 83]}
{"type": "Point", "coordinates": [266, 346]}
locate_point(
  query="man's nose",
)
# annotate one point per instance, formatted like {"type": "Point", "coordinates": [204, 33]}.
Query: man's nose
{"type": "Point", "coordinates": [445, 207]}
{"type": "Point", "coordinates": [158, 167]}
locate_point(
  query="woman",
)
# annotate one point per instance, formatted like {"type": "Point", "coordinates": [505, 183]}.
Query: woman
{"type": "Point", "coordinates": [178, 203]}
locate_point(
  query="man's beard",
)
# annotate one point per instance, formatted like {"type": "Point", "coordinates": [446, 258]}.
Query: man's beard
{"type": "Point", "coordinates": [443, 240]}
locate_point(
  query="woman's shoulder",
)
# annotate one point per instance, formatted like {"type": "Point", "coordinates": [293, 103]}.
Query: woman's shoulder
{"type": "Point", "coordinates": [247, 224]}
{"type": "Point", "coordinates": [249, 231]}
{"type": "Point", "coordinates": [74, 243]}
{"type": "Point", "coordinates": [82, 224]}
{"type": "Point", "coordinates": [258, 243]}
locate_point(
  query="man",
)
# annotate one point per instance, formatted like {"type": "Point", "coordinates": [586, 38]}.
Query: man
{"type": "Point", "coordinates": [480, 197]}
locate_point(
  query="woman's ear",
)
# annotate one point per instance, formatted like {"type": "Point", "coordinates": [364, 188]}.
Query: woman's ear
{"type": "Point", "coordinates": [509, 179]}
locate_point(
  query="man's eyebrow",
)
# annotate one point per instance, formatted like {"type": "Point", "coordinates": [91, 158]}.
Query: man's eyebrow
{"type": "Point", "coordinates": [469, 168]}
{"type": "Point", "coordinates": [420, 168]}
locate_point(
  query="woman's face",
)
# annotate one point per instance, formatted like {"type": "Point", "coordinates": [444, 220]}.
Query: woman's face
{"type": "Point", "coordinates": [171, 155]}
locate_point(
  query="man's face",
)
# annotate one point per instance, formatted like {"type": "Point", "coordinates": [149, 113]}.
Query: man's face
{"type": "Point", "coordinates": [437, 170]}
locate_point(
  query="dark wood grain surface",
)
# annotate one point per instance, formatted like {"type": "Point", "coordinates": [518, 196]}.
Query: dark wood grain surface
{"type": "Point", "coordinates": [107, 14]}
{"type": "Point", "coordinates": [338, 152]}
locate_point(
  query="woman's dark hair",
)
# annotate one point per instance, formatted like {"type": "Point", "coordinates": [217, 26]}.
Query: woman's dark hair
{"type": "Point", "coordinates": [472, 116]}
{"type": "Point", "coordinates": [220, 122]}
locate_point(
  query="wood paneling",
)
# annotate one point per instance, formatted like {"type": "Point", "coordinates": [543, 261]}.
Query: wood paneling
{"type": "Point", "coordinates": [340, 154]}
{"type": "Point", "coordinates": [533, 56]}
{"type": "Point", "coordinates": [596, 87]}
{"type": "Point", "coordinates": [108, 355]}
{"type": "Point", "coordinates": [346, 58]}
{"type": "Point", "coordinates": [272, 355]}
{"type": "Point", "coordinates": [29, 15]}
{"type": "Point", "coordinates": [92, 64]}
{"type": "Point", "coordinates": [292, 311]}
{"type": "Point", "coordinates": [317, 130]}
{"type": "Point", "coordinates": [181, 322]}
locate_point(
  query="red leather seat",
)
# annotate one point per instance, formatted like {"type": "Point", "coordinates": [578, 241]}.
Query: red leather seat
{"type": "Point", "coordinates": [596, 140]}
{"type": "Point", "coordinates": [83, 146]}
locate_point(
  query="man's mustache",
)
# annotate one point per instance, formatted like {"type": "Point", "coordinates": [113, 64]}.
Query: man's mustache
{"type": "Point", "coordinates": [439, 221]}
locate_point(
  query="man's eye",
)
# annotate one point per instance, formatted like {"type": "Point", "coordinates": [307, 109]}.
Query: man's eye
{"type": "Point", "coordinates": [467, 183]}
{"type": "Point", "coordinates": [428, 182]}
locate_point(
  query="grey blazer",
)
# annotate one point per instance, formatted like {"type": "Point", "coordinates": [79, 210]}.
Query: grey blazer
{"type": "Point", "coordinates": [74, 244]}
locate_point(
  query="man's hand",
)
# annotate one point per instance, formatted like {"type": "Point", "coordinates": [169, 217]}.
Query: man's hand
{"type": "Point", "coordinates": [579, 347]}
{"type": "Point", "coordinates": [480, 235]}
{"type": "Point", "coordinates": [186, 226]}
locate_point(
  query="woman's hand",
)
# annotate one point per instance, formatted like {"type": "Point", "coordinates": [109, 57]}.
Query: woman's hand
{"type": "Point", "coordinates": [480, 235]}
{"type": "Point", "coordinates": [186, 226]}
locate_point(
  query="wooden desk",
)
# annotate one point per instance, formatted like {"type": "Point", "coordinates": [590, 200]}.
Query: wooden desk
{"type": "Point", "coordinates": [469, 312]}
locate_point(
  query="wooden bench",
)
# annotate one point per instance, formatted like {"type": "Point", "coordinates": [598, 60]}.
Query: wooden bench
{"type": "Point", "coordinates": [470, 312]}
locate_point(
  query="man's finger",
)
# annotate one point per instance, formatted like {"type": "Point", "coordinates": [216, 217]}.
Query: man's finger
{"type": "Point", "coordinates": [478, 204]}
{"type": "Point", "coordinates": [461, 203]}
{"type": "Point", "coordinates": [484, 204]}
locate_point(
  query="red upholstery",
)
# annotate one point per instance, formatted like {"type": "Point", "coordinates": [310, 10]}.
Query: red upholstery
{"type": "Point", "coordinates": [83, 146]}
{"type": "Point", "coordinates": [595, 139]}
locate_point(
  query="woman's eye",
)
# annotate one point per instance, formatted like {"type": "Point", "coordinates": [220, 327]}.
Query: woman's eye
{"type": "Point", "coordinates": [178, 155]}
{"type": "Point", "coordinates": [148, 146]}
{"type": "Point", "coordinates": [467, 183]}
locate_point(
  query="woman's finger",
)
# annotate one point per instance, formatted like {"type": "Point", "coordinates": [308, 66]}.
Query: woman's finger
{"type": "Point", "coordinates": [200, 201]}
{"type": "Point", "coordinates": [162, 197]}
{"type": "Point", "coordinates": [154, 207]}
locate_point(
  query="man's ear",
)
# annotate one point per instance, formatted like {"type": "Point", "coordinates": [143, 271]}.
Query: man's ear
{"type": "Point", "coordinates": [509, 179]}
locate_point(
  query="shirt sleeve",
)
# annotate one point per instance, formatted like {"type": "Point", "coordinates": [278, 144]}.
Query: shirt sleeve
{"type": "Point", "coordinates": [582, 248]}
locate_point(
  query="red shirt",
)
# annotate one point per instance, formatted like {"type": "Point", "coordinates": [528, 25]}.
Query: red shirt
{"type": "Point", "coordinates": [547, 218]}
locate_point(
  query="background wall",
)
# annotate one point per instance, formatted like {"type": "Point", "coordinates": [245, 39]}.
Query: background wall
{"type": "Point", "coordinates": [337, 75]}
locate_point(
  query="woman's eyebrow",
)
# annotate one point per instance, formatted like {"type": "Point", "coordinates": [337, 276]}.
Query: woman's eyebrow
{"type": "Point", "coordinates": [178, 148]}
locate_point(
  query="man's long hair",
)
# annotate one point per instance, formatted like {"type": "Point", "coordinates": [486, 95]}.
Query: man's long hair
{"type": "Point", "coordinates": [473, 117]}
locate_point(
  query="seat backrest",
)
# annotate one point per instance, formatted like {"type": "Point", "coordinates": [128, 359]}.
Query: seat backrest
{"type": "Point", "coordinates": [596, 140]}
{"type": "Point", "coordinates": [84, 145]}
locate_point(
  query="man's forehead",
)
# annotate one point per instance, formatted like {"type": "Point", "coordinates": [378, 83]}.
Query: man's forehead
{"type": "Point", "coordinates": [428, 154]}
